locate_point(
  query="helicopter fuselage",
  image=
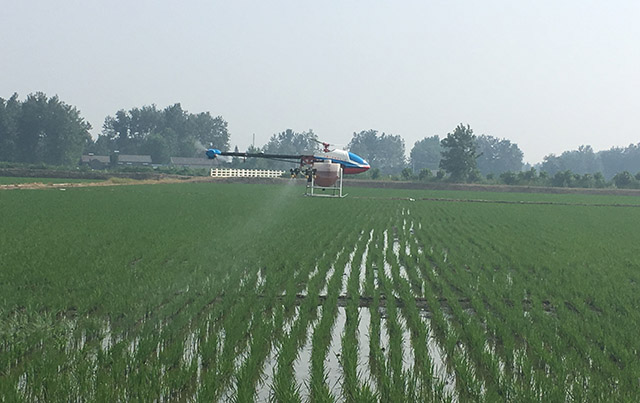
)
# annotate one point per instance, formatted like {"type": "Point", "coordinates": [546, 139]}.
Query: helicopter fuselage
{"type": "Point", "coordinates": [350, 162]}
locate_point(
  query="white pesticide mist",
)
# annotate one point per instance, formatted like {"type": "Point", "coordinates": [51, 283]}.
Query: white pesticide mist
{"type": "Point", "coordinates": [199, 145]}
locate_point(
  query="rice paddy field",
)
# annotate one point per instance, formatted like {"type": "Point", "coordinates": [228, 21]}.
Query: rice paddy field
{"type": "Point", "coordinates": [247, 292]}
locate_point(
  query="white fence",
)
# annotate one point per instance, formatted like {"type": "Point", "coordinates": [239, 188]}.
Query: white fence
{"type": "Point", "coordinates": [244, 173]}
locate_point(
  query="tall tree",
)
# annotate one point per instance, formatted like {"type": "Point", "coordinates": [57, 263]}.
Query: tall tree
{"type": "Point", "coordinates": [48, 130]}
{"type": "Point", "coordinates": [426, 154]}
{"type": "Point", "coordinates": [66, 133]}
{"type": "Point", "coordinates": [618, 159]}
{"type": "Point", "coordinates": [31, 128]}
{"type": "Point", "coordinates": [291, 143]}
{"type": "Point", "coordinates": [9, 113]}
{"type": "Point", "coordinates": [171, 131]}
{"type": "Point", "coordinates": [118, 129]}
{"type": "Point", "coordinates": [208, 130]}
{"type": "Point", "coordinates": [459, 154]}
{"type": "Point", "coordinates": [180, 140]}
{"type": "Point", "coordinates": [142, 123]}
{"type": "Point", "coordinates": [156, 146]}
{"type": "Point", "coordinates": [580, 161]}
{"type": "Point", "coordinates": [385, 152]}
{"type": "Point", "coordinates": [496, 156]}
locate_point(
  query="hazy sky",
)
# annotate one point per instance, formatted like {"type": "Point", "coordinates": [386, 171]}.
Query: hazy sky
{"type": "Point", "coordinates": [547, 75]}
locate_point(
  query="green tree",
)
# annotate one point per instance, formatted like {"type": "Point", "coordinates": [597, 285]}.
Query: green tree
{"type": "Point", "coordinates": [208, 130]}
{"type": "Point", "coordinates": [599, 180]}
{"type": "Point", "coordinates": [564, 178]}
{"type": "Point", "coordinates": [180, 140]}
{"type": "Point", "coordinates": [509, 178]}
{"type": "Point", "coordinates": [117, 129]}
{"type": "Point", "coordinates": [9, 113]}
{"type": "Point", "coordinates": [425, 174]}
{"type": "Point", "coordinates": [375, 173]}
{"type": "Point", "coordinates": [497, 155]}
{"type": "Point", "coordinates": [46, 130]}
{"type": "Point", "coordinates": [156, 146]}
{"type": "Point", "coordinates": [183, 134]}
{"type": "Point", "coordinates": [459, 153]}
{"type": "Point", "coordinates": [292, 143]}
{"type": "Point", "coordinates": [617, 159]}
{"type": "Point", "coordinates": [624, 180]}
{"type": "Point", "coordinates": [426, 154]}
{"type": "Point", "coordinates": [385, 152]}
{"type": "Point", "coordinates": [66, 133]}
{"type": "Point", "coordinates": [29, 142]}
{"type": "Point", "coordinates": [289, 142]}
{"type": "Point", "coordinates": [581, 161]}
{"type": "Point", "coordinates": [407, 174]}
{"type": "Point", "coordinates": [142, 123]}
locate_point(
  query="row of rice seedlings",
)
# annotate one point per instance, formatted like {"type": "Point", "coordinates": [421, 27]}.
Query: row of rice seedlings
{"type": "Point", "coordinates": [530, 338]}
{"type": "Point", "coordinates": [284, 385]}
{"type": "Point", "coordinates": [541, 348]}
{"type": "Point", "coordinates": [352, 387]}
{"type": "Point", "coordinates": [350, 262]}
{"type": "Point", "coordinates": [326, 386]}
{"type": "Point", "coordinates": [423, 383]}
{"type": "Point", "coordinates": [249, 373]}
{"type": "Point", "coordinates": [448, 333]}
{"type": "Point", "coordinates": [117, 335]}
{"type": "Point", "coordinates": [380, 346]}
{"type": "Point", "coordinates": [324, 366]}
{"type": "Point", "coordinates": [190, 354]}
{"type": "Point", "coordinates": [420, 337]}
{"type": "Point", "coordinates": [376, 359]}
{"type": "Point", "coordinates": [248, 363]}
{"type": "Point", "coordinates": [284, 330]}
{"type": "Point", "coordinates": [471, 329]}
{"type": "Point", "coordinates": [363, 262]}
{"type": "Point", "coordinates": [181, 361]}
{"type": "Point", "coordinates": [317, 343]}
{"type": "Point", "coordinates": [441, 336]}
{"type": "Point", "coordinates": [356, 283]}
{"type": "Point", "coordinates": [507, 346]}
{"type": "Point", "coordinates": [109, 347]}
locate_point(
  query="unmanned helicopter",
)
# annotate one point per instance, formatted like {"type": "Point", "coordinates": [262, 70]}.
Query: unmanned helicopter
{"type": "Point", "coordinates": [322, 168]}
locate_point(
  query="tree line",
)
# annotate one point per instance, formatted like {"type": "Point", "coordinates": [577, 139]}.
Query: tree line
{"type": "Point", "coordinates": [160, 133]}
{"type": "Point", "coordinates": [47, 130]}
{"type": "Point", "coordinates": [41, 130]}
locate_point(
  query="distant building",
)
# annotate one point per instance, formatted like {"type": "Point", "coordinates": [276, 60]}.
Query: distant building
{"type": "Point", "coordinates": [128, 159]}
{"type": "Point", "coordinates": [104, 161]}
{"type": "Point", "coordinates": [193, 162]}
{"type": "Point", "coordinates": [95, 161]}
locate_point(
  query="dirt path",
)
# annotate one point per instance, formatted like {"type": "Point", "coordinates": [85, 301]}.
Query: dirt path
{"type": "Point", "coordinates": [108, 182]}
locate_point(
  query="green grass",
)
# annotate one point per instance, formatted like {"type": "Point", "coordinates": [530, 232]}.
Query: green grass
{"type": "Point", "coordinates": [182, 291]}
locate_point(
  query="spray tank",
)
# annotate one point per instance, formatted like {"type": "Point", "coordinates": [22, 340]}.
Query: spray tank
{"type": "Point", "coordinates": [327, 173]}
